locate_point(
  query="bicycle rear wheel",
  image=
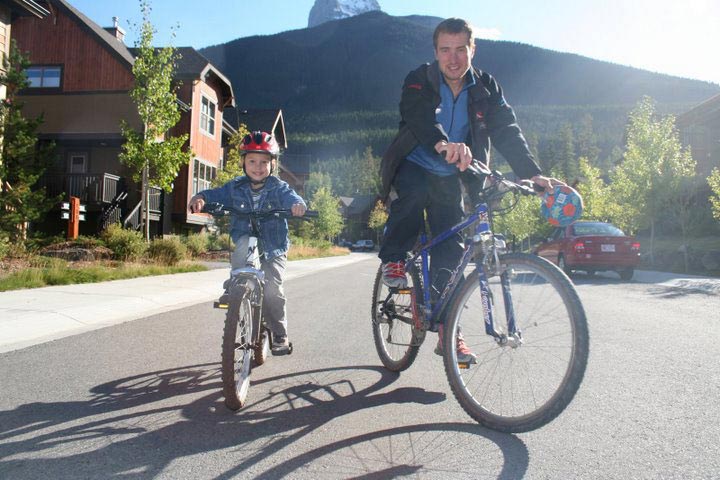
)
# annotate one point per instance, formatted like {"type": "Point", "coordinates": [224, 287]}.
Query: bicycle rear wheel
{"type": "Point", "coordinates": [237, 348]}
{"type": "Point", "coordinates": [519, 386]}
{"type": "Point", "coordinates": [397, 341]}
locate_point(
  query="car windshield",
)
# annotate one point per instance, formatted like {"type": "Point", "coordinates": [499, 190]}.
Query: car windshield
{"type": "Point", "coordinates": [586, 229]}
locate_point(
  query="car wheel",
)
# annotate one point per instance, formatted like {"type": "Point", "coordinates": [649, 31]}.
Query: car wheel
{"type": "Point", "coordinates": [563, 266]}
{"type": "Point", "coordinates": [626, 274]}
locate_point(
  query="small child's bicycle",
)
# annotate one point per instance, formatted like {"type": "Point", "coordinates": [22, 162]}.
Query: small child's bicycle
{"type": "Point", "coordinates": [247, 340]}
{"type": "Point", "coordinates": [518, 313]}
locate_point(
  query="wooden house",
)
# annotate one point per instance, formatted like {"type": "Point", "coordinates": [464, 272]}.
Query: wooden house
{"type": "Point", "coordinates": [700, 130]}
{"type": "Point", "coordinates": [80, 78]}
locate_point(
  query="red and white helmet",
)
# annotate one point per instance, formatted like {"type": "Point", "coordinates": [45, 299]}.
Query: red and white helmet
{"type": "Point", "coordinates": [260, 142]}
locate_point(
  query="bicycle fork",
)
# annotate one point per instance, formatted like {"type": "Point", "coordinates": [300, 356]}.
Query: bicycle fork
{"type": "Point", "coordinates": [513, 338]}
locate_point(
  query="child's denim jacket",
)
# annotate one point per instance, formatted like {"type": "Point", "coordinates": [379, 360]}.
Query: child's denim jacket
{"type": "Point", "coordinates": [274, 195]}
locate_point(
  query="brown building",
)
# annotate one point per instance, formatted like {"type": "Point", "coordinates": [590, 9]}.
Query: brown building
{"type": "Point", "coordinates": [700, 130]}
{"type": "Point", "coordinates": [80, 77]}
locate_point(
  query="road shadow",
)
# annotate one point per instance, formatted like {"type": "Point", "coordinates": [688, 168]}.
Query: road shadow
{"type": "Point", "coordinates": [137, 426]}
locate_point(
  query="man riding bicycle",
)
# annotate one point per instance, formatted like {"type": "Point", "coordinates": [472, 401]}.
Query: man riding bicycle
{"type": "Point", "coordinates": [448, 108]}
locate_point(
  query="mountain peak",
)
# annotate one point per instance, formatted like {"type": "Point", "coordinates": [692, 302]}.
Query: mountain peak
{"type": "Point", "coordinates": [326, 10]}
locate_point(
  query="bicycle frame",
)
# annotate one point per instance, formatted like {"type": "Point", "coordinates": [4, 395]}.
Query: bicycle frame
{"type": "Point", "coordinates": [482, 235]}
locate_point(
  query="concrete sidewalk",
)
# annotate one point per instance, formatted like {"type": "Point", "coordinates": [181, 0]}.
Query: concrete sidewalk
{"type": "Point", "coordinates": [30, 317]}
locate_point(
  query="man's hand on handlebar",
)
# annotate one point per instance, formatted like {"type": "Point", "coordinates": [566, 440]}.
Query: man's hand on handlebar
{"type": "Point", "coordinates": [547, 183]}
{"type": "Point", "coordinates": [455, 153]}
{"type": "Point", "coordinates": [196, 204]}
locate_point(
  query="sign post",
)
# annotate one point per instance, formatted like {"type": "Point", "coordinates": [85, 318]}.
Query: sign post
{"type": "Point", "coordinates": [70, 211]}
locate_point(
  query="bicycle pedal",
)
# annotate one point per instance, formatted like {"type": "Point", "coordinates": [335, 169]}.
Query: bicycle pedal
{"type": "Point", "coordinates": [221, 305]}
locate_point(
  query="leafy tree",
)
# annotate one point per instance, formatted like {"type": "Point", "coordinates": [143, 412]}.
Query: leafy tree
{"type": "Point", "coordinates": [22, 159]}
{"type": "Point", "coordinates": [153, 155]}
{"type": "Point", "coordinates": [329, 222]}
{"type": "Point", "coordinates": [714, 182]}
{"type": "Point", "coordinates": [233, 162]}
{"type": "Point", "coordinates": [523, 221]}
{"type": "Point", "coordinates": [378, 217]}
{"type": "Point", "coordinates": [597, 199]}
{"type": "Point", "coordinates": [652, 169]}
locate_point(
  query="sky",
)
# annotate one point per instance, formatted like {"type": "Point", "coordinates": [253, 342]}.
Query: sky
{"type": "Point", "coordinates": [675, 37]}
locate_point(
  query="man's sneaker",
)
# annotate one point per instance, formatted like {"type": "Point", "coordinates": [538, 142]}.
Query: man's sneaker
{"type": "Point", "coordinates": [464, 354]}
{"type": "Point", "coordinates": [393, 274]}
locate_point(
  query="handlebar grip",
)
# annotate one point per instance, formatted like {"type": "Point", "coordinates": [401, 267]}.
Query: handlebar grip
{"type": "Point", "coordinates": [311, 214]}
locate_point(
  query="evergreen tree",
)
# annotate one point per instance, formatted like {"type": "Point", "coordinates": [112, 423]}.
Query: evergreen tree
{"type": "Point", "coordinates": [153, 155]}
{"type": "Point", "coordinates": [316, 181]}
{"type": "Point", "coordinates": [23, 159]}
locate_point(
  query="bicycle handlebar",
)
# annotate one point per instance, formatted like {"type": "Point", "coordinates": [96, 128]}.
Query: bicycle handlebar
{"type": "Point", "coordinates": [220, 210]}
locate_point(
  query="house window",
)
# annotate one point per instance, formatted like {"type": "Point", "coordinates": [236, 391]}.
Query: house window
{"type": "Point", "coordinates": [44, 77]}
{"type": "Point", "coordinates": [77, 163]}
{"type": "Point", "coordinates": [202, 176]}
{"type": "Point", "coordinates": [207, 116]}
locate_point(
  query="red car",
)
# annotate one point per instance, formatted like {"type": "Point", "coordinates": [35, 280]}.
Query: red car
{"type": "Point", "coordinates": [592, 247]}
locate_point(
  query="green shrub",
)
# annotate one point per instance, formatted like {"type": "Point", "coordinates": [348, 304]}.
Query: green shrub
{"type": "Point", "coordinates": [197, 243]}
{"type": "Point", "coordinates": [167, 251]}
{"type": "Point", "coordinates": [5, 245]}
{"type": "Point", "coordinates": [125, 244]}
{"type": "Point", "coordinates": [221, 242]}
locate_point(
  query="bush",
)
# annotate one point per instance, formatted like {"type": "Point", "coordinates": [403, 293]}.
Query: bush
{"type": "Point", "coordinates": [197, 243]}
{"type": "Point", "coordinates": [5, 245]}
{"type": "Point", "coordinates": [167, 251]}
{"type": "Point", "coordinates": [125, 244]}
{"type": "Point", "coordinates": [221, 242]}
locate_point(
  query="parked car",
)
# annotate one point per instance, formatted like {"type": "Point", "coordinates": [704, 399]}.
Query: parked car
{"type": "Point", "coordinates": [592, 247]}
{"type": "Point", "coordinates": [363, 246]}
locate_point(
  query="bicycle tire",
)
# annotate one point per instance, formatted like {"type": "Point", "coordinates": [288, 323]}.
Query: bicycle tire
{"type": "Point", "coordinates": [519, 389]}
{"type": "Point", "coordinates": [237, 348]}
{"type": "Point", "coordinates": [262, 349]}
{"type": "Point", "coordinates": [397, 340]}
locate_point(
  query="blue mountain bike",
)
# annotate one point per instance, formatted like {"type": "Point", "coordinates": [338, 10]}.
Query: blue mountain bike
{"type": "Point", "coordinates": [517, 312]}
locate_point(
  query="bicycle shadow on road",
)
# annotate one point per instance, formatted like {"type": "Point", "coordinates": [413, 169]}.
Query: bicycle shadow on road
{"type": "Point", "coordinates": [142, 424]}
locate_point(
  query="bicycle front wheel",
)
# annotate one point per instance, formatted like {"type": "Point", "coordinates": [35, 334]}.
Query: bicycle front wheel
{"type": "Point", "coordinates": [519, 382]}
{"type": "Point", "coordinates": [237, 348]}
{"type": "Point", "coordinates": [397, 340]}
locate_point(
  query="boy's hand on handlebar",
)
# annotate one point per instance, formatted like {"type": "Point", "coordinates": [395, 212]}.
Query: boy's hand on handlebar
{"type": "Point", "coordinates": [196, 204]}
{"type": "Point", "coordinates": [455, 153]}
{"type": "Point", "coordinates": [298, 210]}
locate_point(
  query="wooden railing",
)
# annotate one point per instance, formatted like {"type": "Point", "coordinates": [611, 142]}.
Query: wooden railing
{"type": "Point", "coordinates": [133, 220]}
{"type": "Point", "coordinates": [100, 188]}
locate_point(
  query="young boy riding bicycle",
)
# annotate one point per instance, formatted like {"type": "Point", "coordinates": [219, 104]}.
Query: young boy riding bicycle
{"type": "Point", "coordinates": [259, 190]}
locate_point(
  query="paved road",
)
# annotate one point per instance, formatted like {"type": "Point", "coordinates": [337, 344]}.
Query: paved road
{"type": "Point", "coordinates": [142, 399]}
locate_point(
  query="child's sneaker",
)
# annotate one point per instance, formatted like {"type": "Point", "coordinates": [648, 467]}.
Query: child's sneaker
{"type": "Point", "coordinates": [393, 274]}
{"type": "Point", "coordinates": [280, 345]}
{"type": "Point", "coordinates": [464, 354]}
